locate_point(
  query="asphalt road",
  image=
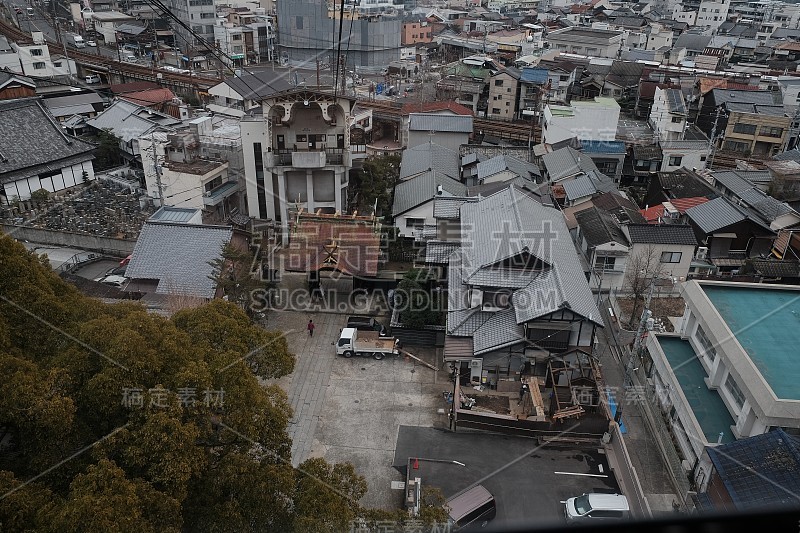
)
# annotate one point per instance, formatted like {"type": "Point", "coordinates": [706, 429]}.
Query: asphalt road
{"type": "Point", "coordinates": [528, 482]}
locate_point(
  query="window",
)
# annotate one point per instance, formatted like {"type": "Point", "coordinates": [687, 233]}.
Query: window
{"type": "Point", "coordinates": [747, 129]}
{"type": "Point", "coordinates": [414, 222]}
{"type": "Point", "coordinates": [298, 23]}
{"type": "Point", "coordinates": [207, 15]}
{"type": "Point", "coordinates": [236, 37]}
{"type": "Point", "coordinates": [671, 257]}
{"type": "Point", "coordinates": [495, 110]}
{"type": "Point", "coordinates": [36, 51]}
{"type": "Point", "coordinates": [733, 146]}
{"type": "Point", "coordinates": [197, 29]}
{"type": "Point", "coordinates": [735, 391]}
{"type": "Point", "coordinates": [677, 120]}
{"type": "Point", "coordinates": [605, 264]}
{"type": "Point", "coordinates": [498, 83]}
{"type": "Point", "coordinates": [675, 160]}
{"type": "Point", "coordinates": [769, 131]}
{"type": "Point", "coordinates": [39, 65]}
{"type": "Point", "coordinates": [237, 49]}
{"type": "Point", "coordinates": [705, 342]}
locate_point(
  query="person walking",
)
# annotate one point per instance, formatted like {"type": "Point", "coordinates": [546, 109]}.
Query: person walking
{"type": "Point", "coordinates": [310, 328]}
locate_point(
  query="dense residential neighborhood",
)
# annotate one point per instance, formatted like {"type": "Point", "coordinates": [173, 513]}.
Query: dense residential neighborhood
{"type": "Point", "coordinates": [421, 265]}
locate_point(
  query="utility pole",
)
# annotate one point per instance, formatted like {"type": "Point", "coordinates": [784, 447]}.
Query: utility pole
{"type": "Point", "coordinates": [318, 72]}
{"type": "Point", "coordinates": [712, 141]}
{"type": "Point", "coordinates": [157, 168]}
{"type": "Point", "coordinates": [66, 56]}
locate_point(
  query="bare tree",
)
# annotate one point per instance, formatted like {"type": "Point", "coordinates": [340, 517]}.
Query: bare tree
{"type": "Point", "coordinates": [639, 273]}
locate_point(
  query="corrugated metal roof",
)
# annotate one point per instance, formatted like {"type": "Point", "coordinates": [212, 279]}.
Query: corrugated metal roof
{"type": "Point", "coordinates": [675, 101]}
{"type": "Point", "coordinates": [662, 234]}
{"type": "Point", "coordinates": [567, 162]}
{"type": "Point", "coordinates": [178, 255]}
{"type": "Point", "coordinates": [715, 215]}
{"type": "Point", "coordinates": [579, 188]}
{"type": "Point", "coordinates": [732, 181]}
{"type": "Point", "coordinates": [535, 75]}
{"type": "Point", "coordinates": [440, 123]}
{"type": "Point", "coordinates": [173, 214]}
{"type": "Point", "coordinates": [129, 121]}
{"type": "Point", "coordinates": [423, 188]}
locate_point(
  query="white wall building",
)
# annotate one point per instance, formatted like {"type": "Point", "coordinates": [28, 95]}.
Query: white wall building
{"type": "Point", "coordinates": [587, 120]}
{"type": "Point", "coordinates": [684, 154]}
{"type": "Point", "coordinates": [668, 115]}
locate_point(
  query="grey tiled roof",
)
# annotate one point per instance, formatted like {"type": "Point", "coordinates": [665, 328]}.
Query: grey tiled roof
{"type": "Point", "coordinates": [257, 85]}
{"type": "Point", "coordinates": [438, 252]}
{"type": "Point", "coordinates": [129, 121]}
{"type": "Point", "coordinates": [715, 215]}
{"type": "Point", "coordinates": [416, 191]}
{"type": "Point", "coordinates": [449, 208]}
{"type": "Point", "coordinates": [662, 234]}
{"type": "Point", "coordinates": [764, 205]}
{"type": "Point", "coordinates": [505, 225]}
{"type": "Point", "coordinates": [499, 331]}
{"type": "Point", "coordinates": [430, 156]}
{"type": "Point", "coordinates": [579, 187]}
{"type": "Point", "coordinates": [598, 228]}
{"type": "Point", "coordinates": [500, 163]}
{"type": "Point", "coordinates": [442, 123]}
{"type": "Point", "coordinates": [760, 98]}
{"type": "Point", "coordinates": [177, 255]}
{"type": "Point", "coordinates": [567, 162]}
{"type": "Point", "coordinates": [32, 142]}
{"type": "Point", "coordinates": [675, 101]}
{"type": "Point", "coordinates": [732, 181]}
{"type": "Point", "coordinates": [789, 155]}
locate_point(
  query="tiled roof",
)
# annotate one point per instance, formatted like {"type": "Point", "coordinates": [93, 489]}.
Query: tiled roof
{"type": "Point", "coordinates": [603, 147]}
{"type": "Point", "coordinates": [675, 101]}
{"type": "Point", "coordinates": [499, 331]}
{"type": "Point", "coordinates": [149, 97]}
{"type": "Point", "coordinates": [440, 123]}
{"type": "Point", "coordinates": [33, 143]}
{"type": "Point", "coordinates": [789, 155]}
{"type": "Point", "coordinates": [662, 234]}
{"type": "Point", "coordinates": [579, 187]}
{"type": "Point", "coordinates": [356, 250]}
{"type": "Point", "coordinates": [178, 255]}
{"type": "Point", "coordinates": [647, 153]}
{"type": "Point", "coordinates": [776, 269]}
{"type": "Point", "coordinates": [567, 162]}
{"type": "Point", "coordinates": [683, 183]}
{"type": "Point", "coordinates": [433, 107]}
{"type": "Point", "coordinates": [448, 207]}
{"type": "Point", "coordinates": [652, 214]}
{"type": "Point", "coordinates": [732, 181]}
{"type": "Point", "coordinates": [430, 156]}
{"type": "Point", "coordinates": [765, 206]}
{"type": "Point", "coordinates": [257, 85]}
{"type": "Point", "coordinates": [760, 472]}
{"type": "Point", "coordinates": [500, 163]}
{"type": "Point", "coordinates": [715, 215]}
{"type": "Point", "coordinates": [598, 227]}
{"type": "Point", "coordinates": [438, 252]}
{"type": "Point", "coordinates": [416, 191]}
{"type": "Point", "coordinates": [760, 98]}
{"type": "Point", "coordinates": [129, 121]}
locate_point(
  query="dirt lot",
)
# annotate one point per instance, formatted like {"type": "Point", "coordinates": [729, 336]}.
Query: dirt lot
{"type": "Point", "coordinates": [661, 307]}
{"type": "Point", "coordinates": [497, 404]}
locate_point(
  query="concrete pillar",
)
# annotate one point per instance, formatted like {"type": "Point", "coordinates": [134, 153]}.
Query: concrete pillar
{"type": "Point", "coordinates": [718, 372]}
{"type": "Point", "coordinates": [283, 206]}
{"type": "Point", "coordinates": [310, 191]}
{"type": "Point", "coordinates": [337, 189]}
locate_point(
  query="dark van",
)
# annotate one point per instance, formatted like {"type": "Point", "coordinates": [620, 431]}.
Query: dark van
{"type": "Point", "coordinates": [471, 509]}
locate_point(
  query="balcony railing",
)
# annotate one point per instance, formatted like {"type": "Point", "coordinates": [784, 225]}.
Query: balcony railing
{"type": "Point", "coordinates": [308, 158]}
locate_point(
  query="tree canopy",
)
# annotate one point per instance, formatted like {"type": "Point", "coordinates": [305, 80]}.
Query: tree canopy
{"type": "Point", "coordinates": [115, 419]}
{"type": "Point", "coordinates": [374, 182]}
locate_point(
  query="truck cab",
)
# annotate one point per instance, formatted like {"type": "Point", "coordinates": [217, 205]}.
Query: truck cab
{"type": "Point", "coordinates": [366, 343]}
{"type": "Point", "coordinates": [79, 42]}
{"type": "Point", "coordinates": [347, 341]}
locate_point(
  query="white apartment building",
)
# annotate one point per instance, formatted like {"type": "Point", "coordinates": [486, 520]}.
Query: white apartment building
{"type": "Point", "coordinates": [590, 120]}
{"type": "Point", "coordinates": [668, 115]}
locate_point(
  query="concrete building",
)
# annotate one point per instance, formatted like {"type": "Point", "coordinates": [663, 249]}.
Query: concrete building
{"type": "Point", "coordinates": [668, 115]}
{"type": "Point", "coordinates": [504, 90]}
{"type": "Point", "coordinates": [729, 371]}
{"type": "Point", "coordinates": [591, 120]}
{"type": "Point", "coordinates": [760, 131]}
{"type": "Point", "coordinates": [416, 30]}
{"type": "Point", "coordinates": [691, 154]}
{"type": "Point", "coordinates": [450, 131]}
{"type": "Point", "coordinates": [298, 154]}
{"type": "Point", "coordinates": [106, 23]}
{"type": "Point", "coordinates": [200, 16]}
{"type": "Point", "coordinates": [306, 27]}
{"type": "Point", "coordinates": [586, 41]}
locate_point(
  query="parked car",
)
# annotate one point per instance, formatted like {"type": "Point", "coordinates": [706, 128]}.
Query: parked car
{"type": "Point", "coordinates": [594, 507]}
{"type": "Point", "coordinates": [91, 43]}
{"type": "Point", "coordinates": [471, 509]}
{"type": "Point", "coordinates": [115, 281]}
{"type": "Point", "coordinates": [366, 323]}
{"type": "Point", "coordinates": [93, 78]}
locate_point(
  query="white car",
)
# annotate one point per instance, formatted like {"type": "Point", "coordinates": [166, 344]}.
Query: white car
{"type": "Point", "coordinates": [91, 43]}
{"type": "Point", "coordinates": [115, 281]}
{"type": "Point", "coordinates": [93, 78]}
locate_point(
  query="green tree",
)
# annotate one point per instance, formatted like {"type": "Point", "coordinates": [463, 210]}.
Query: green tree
{"type": "Point", "coordinates": [108, 152]}
{"type": "Point", "coordinates": [419, 305]}
{"type": "Point", "coordinates": [109, 408]}
{"type": "Point", "coordinates": [40, 195]}
{"type": "Point", "coordinates": [375, 181]}
{"type": "Point", "coordinates": [238, 273]}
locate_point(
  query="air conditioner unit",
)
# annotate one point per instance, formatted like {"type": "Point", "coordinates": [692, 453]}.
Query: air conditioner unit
{"type": "Point", "coordinates": [702, 252]}
{"type": "Point", "coordinates": [490, 308]}
{"type": "Point", "coordinates": [475, 298]}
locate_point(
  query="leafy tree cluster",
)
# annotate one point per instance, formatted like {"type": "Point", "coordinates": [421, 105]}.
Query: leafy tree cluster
{"type": "Point", "coordinates": [107, 154]}
{"type": "Point", "coordinates": [77, 457]}
{"type": "Point", "coordinates": [375, 181]}
{"type": "Point", "coordinates": [420, 304]}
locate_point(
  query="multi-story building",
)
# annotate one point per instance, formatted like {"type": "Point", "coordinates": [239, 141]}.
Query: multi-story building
{"type": "Point", "coordinates": [727, 373]}
{"type": "Point", "coordinates": [307, 30]}
{"type": "Point", "coordinates": [591, 120]}
{"type": "Point", "coordinates": [245, 38]}
{"type": "Point", "coordinates": [200, 16]}
{"type": "Point", "coordinates": [298, 153]}
{"type": "Point", "coordinates": [416, 29]}
{"type": "Point", "coordinates": [504, 89]}
{"type": "Point", "coordinates": [668, 114]}
{"type": "Point", "coordinates": [586, 41]}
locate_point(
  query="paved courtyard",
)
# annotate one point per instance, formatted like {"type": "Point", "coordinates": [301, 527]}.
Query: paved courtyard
{"type": "Point", "coordinates": [352, 409]}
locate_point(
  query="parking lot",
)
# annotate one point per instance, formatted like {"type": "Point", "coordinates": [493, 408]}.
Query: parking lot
{"type": "Point", "coordinates": [528, 482]}
{"type": "Point", "coordinates": [352, 409]}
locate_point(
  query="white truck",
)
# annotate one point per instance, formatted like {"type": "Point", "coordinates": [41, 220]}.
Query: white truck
{"type": "Point", "coordinates": [78, 40]}
{"type": "Point", "coordinates": [366, 343]}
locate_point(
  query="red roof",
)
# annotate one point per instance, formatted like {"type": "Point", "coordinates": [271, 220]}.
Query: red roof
{"type": "Point", "coordinates": [432, 107]}
{"type": "Point", "coordinates": [344, 243]}
{"type": "Point", "coordinates": [150, 97]}
{"type": "Point", "coordinates": [652, 214]}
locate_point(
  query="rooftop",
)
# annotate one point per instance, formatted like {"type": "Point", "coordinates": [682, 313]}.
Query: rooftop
{"type": "Point", "coordinates": [765, 322]}
{"type": "Point", "coordinates": [708, 408]}
{"type": "Point", "coordinates": [440, 123]}
{"type": "Point", "coordinates": [682, 234]}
